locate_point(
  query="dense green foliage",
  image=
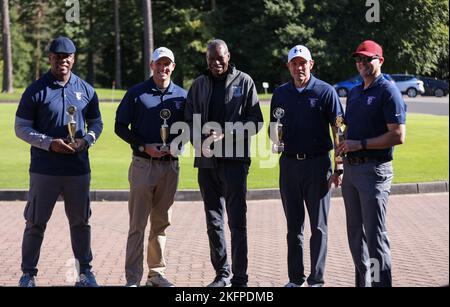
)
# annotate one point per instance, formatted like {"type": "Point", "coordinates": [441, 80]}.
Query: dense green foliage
{"type": "Point", "coordinates": [414, 34]}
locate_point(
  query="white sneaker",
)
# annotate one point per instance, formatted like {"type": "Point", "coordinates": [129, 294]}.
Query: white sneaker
{"type": "Point", "coordinates": [131, 285]}
{"type": "Point", "coordinates": [294, 285]}
{"type": "Point", "coordinates": [159, 281]}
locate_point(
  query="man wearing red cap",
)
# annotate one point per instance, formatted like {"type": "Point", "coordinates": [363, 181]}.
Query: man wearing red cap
{"type": "Point", "coordinates": [375, 117]}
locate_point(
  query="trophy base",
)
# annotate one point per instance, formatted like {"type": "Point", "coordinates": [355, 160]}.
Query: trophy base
{"type": "Point", "coordinates": [277, 148]}
{"type": "Point", "coordinates": [164, 148]}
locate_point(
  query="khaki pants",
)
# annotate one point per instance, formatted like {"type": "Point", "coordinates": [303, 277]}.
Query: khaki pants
{"type": "Point", "coordinates": [152, 189]}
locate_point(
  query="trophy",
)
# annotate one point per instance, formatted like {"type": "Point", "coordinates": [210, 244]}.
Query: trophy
{"type": "Point", "coordinates": [72, 125]}
{"type": "Point", "coordinates": [164, 131]}
{"type": "Point", "coordinates": [278, 147]}
{"type": "Point", "coordinates": [339, 124]}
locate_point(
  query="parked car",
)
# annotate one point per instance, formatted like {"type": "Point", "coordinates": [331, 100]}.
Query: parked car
{"type": "Point", "coordinates": [434, 87]}
{"type": "Point", "coordinates": [344, 87]}
{"type": "Point", "coordinates": [408, 84]}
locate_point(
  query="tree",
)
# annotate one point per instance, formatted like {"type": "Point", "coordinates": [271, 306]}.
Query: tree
{"type": "Point", "coordinates": [148, 36]}
{"type": "Point", "coordinates": [7, 56]}
{"type": "Point", "coordinates": [118, 65]}
{"type": "Point", "coordinates": [182, 27]}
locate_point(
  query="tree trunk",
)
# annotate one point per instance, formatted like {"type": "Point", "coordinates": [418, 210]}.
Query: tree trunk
{"type": "Point", "coordinates": [118, 63]}
{"type": "Point", "coordinates": [37, 52]}
{"type": "Point", "coordinates": [7, 56]}
{"type": "Point", "coordinates": [148, 37]}
{"type": "Point", "coordinates": [90, 78]}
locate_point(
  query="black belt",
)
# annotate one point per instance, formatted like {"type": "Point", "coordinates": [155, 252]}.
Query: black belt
{"type": "Point", "coordinates": [164, 158]}
{"type": "Point", "coordinates": [305, 156]}
{"type": "Point", "coordinates": [362, 160]}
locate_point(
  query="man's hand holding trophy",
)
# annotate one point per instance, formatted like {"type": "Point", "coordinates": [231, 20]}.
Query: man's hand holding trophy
{"type": "Point", "coordinates": [72, 144]}
{"type": "Point", "coordinates": [278, 146]}
{"type": "Point", "coordinates": [336, 178]}
{"type": "Point", "coordinates": [78, 144]}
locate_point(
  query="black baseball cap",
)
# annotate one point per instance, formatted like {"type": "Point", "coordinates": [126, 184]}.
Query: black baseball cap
{"type": "Point", "coordinates": [62, 44]}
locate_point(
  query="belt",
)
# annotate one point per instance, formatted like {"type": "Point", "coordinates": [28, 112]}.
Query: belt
{"type": "Point", "coordinates": [362, 160]}
{"type": "Point", "coordinates": [306, 156]}
{"type": "Point", "coordinates": [164, 158]}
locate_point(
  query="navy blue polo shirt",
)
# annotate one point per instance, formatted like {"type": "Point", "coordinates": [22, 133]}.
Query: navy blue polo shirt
{"type": "Point", "coordinates": [308, 115]}
{"type": "Point", "coordinates": [368, 112]}
{"type": "Point", "coordinates": [141, 108]}
{"type": "Point", "coordinates": [45, 103]}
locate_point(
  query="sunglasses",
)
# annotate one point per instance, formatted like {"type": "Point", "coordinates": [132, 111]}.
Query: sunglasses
{"type": "Point", "coordinates": [365, 59]}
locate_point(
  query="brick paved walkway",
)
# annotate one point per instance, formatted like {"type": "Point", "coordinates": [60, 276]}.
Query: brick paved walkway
{"type": "Point", "coordinates": [418, 227]}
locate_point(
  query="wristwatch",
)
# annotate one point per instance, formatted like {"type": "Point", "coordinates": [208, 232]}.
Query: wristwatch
{"type": "Point", "coordinates": [141, 148]}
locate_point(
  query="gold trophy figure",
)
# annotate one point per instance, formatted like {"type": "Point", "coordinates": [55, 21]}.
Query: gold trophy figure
{"type": "Point", "coordinates": [72, 125]}
{"type": "Point", "coordinates": [278, 147]}
{"type": "Point", "coordinates": [165, 114]}
{"type": "Point", "coordinates": [339, 124]}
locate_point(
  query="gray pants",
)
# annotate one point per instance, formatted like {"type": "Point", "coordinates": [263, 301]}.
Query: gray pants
{"type": "Point", "coordinates": [365, 189]}
{"type": "Point", "coordinates": [43, 193]}
{"type": "Point", "coordinates": [305, 182]}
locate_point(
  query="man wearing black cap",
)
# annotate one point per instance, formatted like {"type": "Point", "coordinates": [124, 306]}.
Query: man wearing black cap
{"type": "Point", "coordinates": [59, 116]}
{"type": "Point", "coordinates": [375, 119]}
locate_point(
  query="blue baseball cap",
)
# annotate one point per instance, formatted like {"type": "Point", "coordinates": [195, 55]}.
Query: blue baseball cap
{"type": "Point", "coordinates": [62, 44]}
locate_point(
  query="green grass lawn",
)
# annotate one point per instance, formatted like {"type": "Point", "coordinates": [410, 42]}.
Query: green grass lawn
{"type": "Point", "coordinates": [424, 157]}
{"type": "Point", "coordinates": [102, 93]}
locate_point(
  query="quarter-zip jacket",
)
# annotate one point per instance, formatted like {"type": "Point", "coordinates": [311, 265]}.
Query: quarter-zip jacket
{"type": "Point", "coordinates": [241, 104]}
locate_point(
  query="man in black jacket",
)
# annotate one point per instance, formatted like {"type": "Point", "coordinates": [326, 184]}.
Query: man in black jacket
{"type": "Point", "coordinates": [225, 104]}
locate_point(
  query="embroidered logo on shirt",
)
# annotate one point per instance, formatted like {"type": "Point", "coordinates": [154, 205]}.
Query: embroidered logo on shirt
{"type": "Point", "coordinates": [370, 100]}
{"type": "Point", "coordinates": [78, 95]}
{"type": "Point", "coordinates": [178, 104]}
{"type": "Point", "coordinates": [237, 91]}
{"type": "Point", "coordinates": [313, 102]}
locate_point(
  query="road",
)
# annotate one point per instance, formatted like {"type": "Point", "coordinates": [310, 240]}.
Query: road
{"type": "Point", "coordinates": [420, 104]}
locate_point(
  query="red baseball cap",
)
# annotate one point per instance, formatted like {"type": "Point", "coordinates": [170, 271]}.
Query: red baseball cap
{"type": "Point", "coordinates": [369, 48]}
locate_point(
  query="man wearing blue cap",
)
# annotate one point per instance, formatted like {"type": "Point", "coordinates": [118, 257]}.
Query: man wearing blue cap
{"type": "Point", "coordinates": [59, 116]}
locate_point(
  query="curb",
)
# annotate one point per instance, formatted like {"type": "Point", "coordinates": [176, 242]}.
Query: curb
{"type": "Point", "coordinates": [258, 194]}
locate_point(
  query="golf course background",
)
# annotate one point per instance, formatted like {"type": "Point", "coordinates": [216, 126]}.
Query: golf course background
{"type": "Point", "coordinates": [423, 158]}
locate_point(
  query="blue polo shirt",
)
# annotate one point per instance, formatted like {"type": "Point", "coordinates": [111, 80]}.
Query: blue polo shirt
{"type": "Point", "coordinates": [45, 103]}
{"type": "Point", "coordinates": [140, 108]}
{"type": "Point", "coordinates": [308, 115]}
{"type": "Point", "coordinates": [368, 112]}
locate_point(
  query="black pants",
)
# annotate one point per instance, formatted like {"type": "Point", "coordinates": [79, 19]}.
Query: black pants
{"type": "Point", "coordinates": [227, 180]}
{"type": "Point", "coordinates": [44, 191]}
{"type": "Point", "coordinates": [305, 183]}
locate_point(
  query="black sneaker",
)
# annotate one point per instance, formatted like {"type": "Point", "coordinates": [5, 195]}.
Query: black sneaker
{"type": "Point", "coordinates": [27, 281]}
{"type": "Point", "coordinates": [220, 282]}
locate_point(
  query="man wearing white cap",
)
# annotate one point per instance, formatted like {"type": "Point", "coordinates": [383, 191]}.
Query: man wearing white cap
{"type": "Point", "coordinates": [154, 172]}
{"type": "Point", "coordinates": [310, 107]}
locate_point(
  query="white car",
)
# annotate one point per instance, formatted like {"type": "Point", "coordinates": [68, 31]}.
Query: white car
{"type": "Point", "coordinates": [408, 84]}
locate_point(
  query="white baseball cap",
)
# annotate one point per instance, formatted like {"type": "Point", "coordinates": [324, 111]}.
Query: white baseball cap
{"type": "Point", "coordinates": [162, 52]}
{"type": "Point", "coordinates": [299, 51]}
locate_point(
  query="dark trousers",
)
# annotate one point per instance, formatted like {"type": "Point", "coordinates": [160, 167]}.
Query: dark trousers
{"type": "Point", "coordinates": [365, 189]}
{"type": "Point", "coordinates": [43, 193]}
{"type": "Point", "coordinates": [228, 181]}
{"type": "Point", "coordinates": [305, 182]}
